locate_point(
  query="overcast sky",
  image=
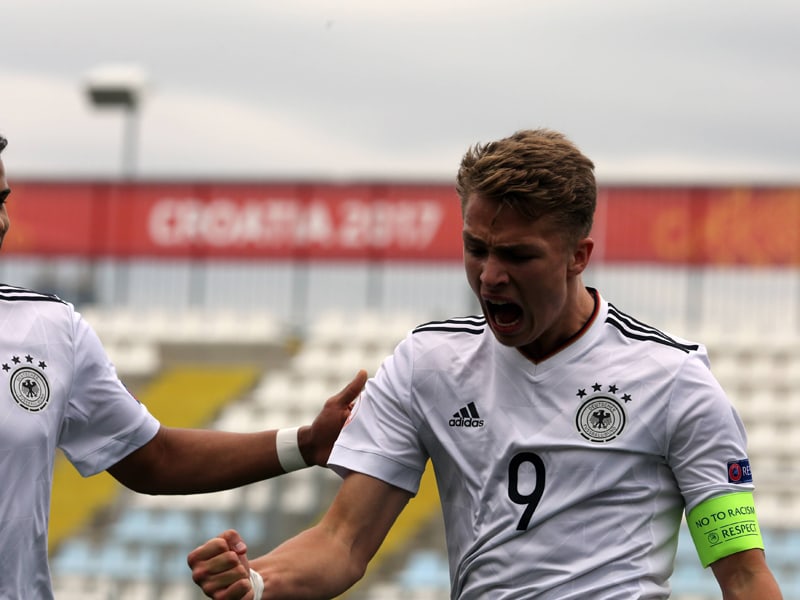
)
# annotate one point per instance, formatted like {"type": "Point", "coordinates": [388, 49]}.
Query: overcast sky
{"type": "Point", "coordinates": [363, 89]}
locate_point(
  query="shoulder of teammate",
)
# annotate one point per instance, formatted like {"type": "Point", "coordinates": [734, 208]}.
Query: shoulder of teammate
{"type": "Point", "coordinates": [28, 306]}
{"type": "Point", "coordinates": [13, 294]}
{"type": "Point", "coordinates": [57, 315]}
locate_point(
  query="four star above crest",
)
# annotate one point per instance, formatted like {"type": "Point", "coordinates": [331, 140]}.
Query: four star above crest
{"type": "Point", "coordinates": [612, 389]}
{"type": "Point", "coordinates": [28, 358]}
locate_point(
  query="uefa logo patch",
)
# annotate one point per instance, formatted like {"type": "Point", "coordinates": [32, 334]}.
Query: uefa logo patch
{"type": "Point", "coordinates": [739, 471]}
{"type": "Point", "coordinates": [600, 419]}
{"type": "Point", "coordinates": [29, 386]}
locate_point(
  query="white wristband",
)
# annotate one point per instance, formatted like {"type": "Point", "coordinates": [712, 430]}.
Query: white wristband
{"type": "Point", "coordinates": [257, 583]}
{"type": "Point", "coordinates": [289, 450]}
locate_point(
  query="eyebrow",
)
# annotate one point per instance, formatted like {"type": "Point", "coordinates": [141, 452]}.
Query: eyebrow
{"type": "Point", "coordinates": [468, 237]}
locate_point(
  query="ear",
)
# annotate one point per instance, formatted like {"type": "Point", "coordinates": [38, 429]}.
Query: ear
{"type": "Point", "coordinates": [580, 256]}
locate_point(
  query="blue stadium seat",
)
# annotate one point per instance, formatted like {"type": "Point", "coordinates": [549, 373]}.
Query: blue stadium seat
{"type": "Point", "coordinates": [783, 558]}
{"type": "Point", "coordinates": [74, 557]}
{"type": "Point", "coordinates": [425, 569]}
{"type": "Point", "coordinates": [249, 525]}
{"type": "Point", "coordinates": [125, 563]}
{"type": "Point", "coordinates": [108, 559]}
{"type": "Point", "coordinates": [173, 567]}
{"type": "Point", "coordinates": [154, 527]}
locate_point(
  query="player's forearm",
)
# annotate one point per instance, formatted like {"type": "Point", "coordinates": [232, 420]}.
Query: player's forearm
{"type": "Point", "coordinates": [312, 565]}
{"type": "Point", "coordinates": [185, 461]}
{"type": "Point", "coordinates": [182, 461]}
{"type": "Point", "coordinates": [746, 576]}
{"type": "Point", "coordinates": [216, 460]}
{"type": "Point", "coordinates": [759, 585]}
{"type": "Point", "coordinates": [766, 589]}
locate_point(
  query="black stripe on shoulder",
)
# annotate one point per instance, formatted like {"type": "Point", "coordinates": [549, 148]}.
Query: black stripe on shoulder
{"type": "Point", "coordinates": [13, 293]}
{"type": "Point", "coordinates": [472, 325]}
{"type": "Point", "coordinates": [636, 330]}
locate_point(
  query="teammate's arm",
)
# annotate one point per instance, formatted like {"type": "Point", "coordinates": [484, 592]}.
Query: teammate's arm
{"type": "Point", "coordinates": [182, 461]}
{"type": "Point", "coordinates": [321, 562]}
{"type": "Point", "coordinates": [745, 576]}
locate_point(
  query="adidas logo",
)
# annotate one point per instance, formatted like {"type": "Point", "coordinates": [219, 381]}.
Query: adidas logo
{"type": "Point", "coordinates": [466, 417]}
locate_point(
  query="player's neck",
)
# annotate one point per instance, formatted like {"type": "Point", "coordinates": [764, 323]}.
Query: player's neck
{"type": "Point", "coordinates": [583, 315]}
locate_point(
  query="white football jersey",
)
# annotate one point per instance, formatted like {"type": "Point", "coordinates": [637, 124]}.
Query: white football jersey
{"type": "Point", "coordinates": [560, 480]}
{"type": "Point", "coordinates": [57, 389]}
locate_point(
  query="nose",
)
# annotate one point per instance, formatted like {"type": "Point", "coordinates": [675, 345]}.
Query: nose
{"type": "Point", "coordinates": [493, 272]}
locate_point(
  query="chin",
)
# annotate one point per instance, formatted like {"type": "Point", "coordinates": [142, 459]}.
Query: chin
{"type": "Point", "coordinates": [507, 338]}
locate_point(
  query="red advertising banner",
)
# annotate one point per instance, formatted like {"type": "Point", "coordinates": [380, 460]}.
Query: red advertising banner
{"type": "Point", "coordinates": [687, 225]}
{"type": "Point", "coordinates": [700, 225]}
{"type": "Point", "coordinates": [236, 221]}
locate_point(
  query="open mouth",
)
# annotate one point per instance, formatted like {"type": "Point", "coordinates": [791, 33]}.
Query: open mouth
{"type": "Point", "coordinates": [504, 314]}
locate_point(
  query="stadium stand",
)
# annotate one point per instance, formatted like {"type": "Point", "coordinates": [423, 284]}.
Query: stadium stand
{"type": "Point", "coordinates": [135, 547]}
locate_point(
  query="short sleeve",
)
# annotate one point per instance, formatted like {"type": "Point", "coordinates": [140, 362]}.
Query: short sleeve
{"type": "Point", "coordinates": [381, 439]}
{"type": "Point", "coordinates": [707, 436]}
{"type": "Point", "coordinates": [103, 422]}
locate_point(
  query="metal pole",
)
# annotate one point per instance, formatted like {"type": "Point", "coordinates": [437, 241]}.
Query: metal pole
{"type": "Point", "coordinates": [130, 141]}
{"type": "Point", "coordinates": [130, 146]}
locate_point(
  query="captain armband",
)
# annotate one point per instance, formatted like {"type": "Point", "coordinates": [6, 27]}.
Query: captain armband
{"type": "Point", "coordinates": [723, 526]}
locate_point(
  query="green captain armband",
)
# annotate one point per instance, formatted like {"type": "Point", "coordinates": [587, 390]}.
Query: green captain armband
{"type": "Point", "coordinates": [724, 525]}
